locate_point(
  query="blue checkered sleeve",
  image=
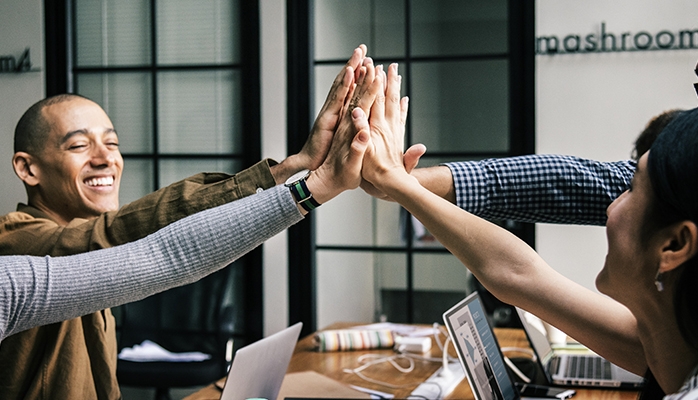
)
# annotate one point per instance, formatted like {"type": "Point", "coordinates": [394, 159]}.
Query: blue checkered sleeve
{"type": "Point", "coordinates": [541, 188]}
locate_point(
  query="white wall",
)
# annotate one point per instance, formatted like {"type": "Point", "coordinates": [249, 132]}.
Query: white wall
{"type": "Point", "coordinates": [594, 105]}
{"type": "Point", "coordinates": [273, 75]}
{"type": "Point", "coordinates": [21, 26]}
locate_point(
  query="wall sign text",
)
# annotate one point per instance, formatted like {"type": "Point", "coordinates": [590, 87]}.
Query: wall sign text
{"type": "Point", "coordinates": [10, 64]}
{"type": "Point", "coordinates": [606, 41]}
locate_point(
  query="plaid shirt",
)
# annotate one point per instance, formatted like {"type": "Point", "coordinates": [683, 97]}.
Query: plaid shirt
{"type": "Point", "coordinates": [541, 188]}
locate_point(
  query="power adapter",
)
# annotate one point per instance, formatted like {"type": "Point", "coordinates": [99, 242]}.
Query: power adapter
{"type": "Point", "coordinates": [413, 344]}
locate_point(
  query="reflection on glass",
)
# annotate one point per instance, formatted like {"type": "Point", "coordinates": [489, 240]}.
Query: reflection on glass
{"type": "Point", "coordinates": [342, 25]}
{"type": "Point", "coordinates": [126, 99]}
{"type": "Point", "coordinates": [112, 32]}
{"type": "Point", "coordinates": [346, 292]}
{"type": "Point", "coordinates": [136, 180]}
{"type": "Point", "coordinates": [175, 170]}
{"type": "Point", "coordinates": [458, 27]}
{"type": "Point", "coordinates": [440, 281]}
{"type": "Point", "coordinates": [197, 32]}
{"type": "Point", "coordinates": [460, 106]}
{"type": "Point", "coordinates": [199, 112]}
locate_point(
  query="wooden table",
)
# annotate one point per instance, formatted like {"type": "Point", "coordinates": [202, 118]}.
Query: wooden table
{"type": "Point", "coordinates": [332, 364]}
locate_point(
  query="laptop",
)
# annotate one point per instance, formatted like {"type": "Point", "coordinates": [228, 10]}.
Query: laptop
{"type": "Point", "coordinates": [259, 368]}
{"type": "Point", "coordinates": [481, 357]}
{"type": "Point", "coordinates": [581, 370]}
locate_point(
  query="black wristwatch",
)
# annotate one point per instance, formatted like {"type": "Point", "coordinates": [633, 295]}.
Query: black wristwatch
{"type": "Point", "coordinates": [299, 189]}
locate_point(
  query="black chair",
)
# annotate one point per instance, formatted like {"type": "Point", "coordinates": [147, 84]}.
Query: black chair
{"type": "Point", "coordinates": [197, 317]}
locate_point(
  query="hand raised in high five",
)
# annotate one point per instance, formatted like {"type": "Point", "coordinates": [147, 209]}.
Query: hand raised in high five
{"type": "Point", "coordinates": [413, 153]}
{"type": "Point", "coordinates": [384, 158]}
{"type": "Point", "coordinates": [341, 169]}
{"type": "Point", "coordinates": [318, 143]}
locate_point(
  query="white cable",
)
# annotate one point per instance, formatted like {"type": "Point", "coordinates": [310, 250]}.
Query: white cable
{"type": "Point", "coordinates": [377, 359]}
{"type": "Point", "coordinates": [516, 370]}
{"type": "Point", "coordinates": [513, 367]}
{"type": "Point", "coordinates": [445, 371]}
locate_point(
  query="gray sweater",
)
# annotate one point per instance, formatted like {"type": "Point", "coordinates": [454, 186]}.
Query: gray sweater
{"type": "Point", "coordinates": [42, 290]}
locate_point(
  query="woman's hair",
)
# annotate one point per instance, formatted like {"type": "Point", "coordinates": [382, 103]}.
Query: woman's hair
{"type": "Point", "coordinates": [672, 166]}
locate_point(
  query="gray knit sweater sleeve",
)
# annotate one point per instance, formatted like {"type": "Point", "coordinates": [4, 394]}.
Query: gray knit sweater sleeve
{"type": "Point", "coordinates": [41, 290]}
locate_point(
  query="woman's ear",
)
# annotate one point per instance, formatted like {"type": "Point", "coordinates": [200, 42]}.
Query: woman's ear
{"type": "Point", "coordinates": [680, 245]}
{"type": "Point", "coordinates": [25, 168]}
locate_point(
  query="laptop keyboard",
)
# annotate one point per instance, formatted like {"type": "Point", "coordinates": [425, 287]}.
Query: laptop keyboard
{"type": "Point", "coordinates": [588, 367]}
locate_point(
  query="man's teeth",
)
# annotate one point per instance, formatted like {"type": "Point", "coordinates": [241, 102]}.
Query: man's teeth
{"type": "Point", "coordinates": [108, 181]}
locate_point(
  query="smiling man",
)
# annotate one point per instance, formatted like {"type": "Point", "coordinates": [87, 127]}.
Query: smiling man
{"type": "Point", "coordinates": [73, 170]}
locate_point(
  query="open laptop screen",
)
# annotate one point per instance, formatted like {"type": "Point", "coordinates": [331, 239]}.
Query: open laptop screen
{"type": "Point", "coordinates": [478, 350]}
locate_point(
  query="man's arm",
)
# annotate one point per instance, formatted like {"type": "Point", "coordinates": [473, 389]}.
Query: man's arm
{"type": "Point", "coordinates": [41, 236]}
{"type": "Point", "coordinates": [534, 188]}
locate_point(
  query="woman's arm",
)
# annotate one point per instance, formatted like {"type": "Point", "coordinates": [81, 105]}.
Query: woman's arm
{"type": "Point", "coordinates": [42, 290]}
{"type": "Point", "coordinates": [508, 267]}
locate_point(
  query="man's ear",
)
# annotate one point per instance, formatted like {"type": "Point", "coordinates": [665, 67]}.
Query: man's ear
{"type": "Point", "coordinates": [680, 245]}
{"type": "Point", "coordinates": [25, 168]}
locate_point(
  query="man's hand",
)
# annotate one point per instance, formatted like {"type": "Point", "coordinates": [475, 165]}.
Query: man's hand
{"type": "Point", "coordinates": [341, 170]}
{"type": "Point", "coordinates": [318, 143]}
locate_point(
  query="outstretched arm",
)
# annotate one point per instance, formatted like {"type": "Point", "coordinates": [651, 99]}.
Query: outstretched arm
{"type": "Point", "coordinates": [510, 269]}
{"type": "Point", "coordinates": [41, 290]}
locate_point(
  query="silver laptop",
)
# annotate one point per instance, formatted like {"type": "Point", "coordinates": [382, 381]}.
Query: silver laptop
{"type": "Point", "coordinates": [259, 368]}
{"type": "Point", "coordinates": [481, 357]}
{"type": "Point", "coordinates": [581, 370]}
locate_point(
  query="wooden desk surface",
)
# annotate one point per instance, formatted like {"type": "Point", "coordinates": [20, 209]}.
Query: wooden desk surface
{"type": "Point", "coordinates": [332, 364]}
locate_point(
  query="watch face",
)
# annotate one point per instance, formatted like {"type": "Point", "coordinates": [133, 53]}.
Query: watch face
{"type": "Point", "coordinates": [297, 177]}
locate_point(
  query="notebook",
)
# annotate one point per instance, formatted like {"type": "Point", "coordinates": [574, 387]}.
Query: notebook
{"type": "Point", "coordinates": [258, 369]}
{"type": "Point", "coordinates": [479, 352]}
{"type": "Point", "coordinates": [579, 370]}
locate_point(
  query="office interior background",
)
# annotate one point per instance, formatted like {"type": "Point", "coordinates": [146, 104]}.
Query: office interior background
{"type": "Point", "coordinates": [216, 85]}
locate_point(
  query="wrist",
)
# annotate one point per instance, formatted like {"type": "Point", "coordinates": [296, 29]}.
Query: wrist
{"type": "Point", "coordinates": [318, 185]}
{"type": "Point", "coordinates": [301, 193]}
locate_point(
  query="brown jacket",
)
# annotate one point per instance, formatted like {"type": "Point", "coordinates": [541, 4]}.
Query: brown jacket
{"type": "Point", "coordinates": [76, 359]}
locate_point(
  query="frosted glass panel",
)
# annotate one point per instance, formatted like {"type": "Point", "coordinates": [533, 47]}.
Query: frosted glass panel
{"type": "Point", "coordinates": [126, 99]}
{"type": "Point", "coordinates": [346, 292]}
{"type": "Point", "coordinates": [390, 271]}
{"type": "Point", "coordinates": [136, 180]}
{"type": "Point", "coordinates": [199, 112]}
{"type": "Point", "coordinates": [356, 219]}
{"type": "Point", "coordinates": [346, 220]}
{"type": "Point", "coordinates": [340, 26]}
{"type": "Point", "coordinates": [440, 281]}
{"type": "Point", "coordinates": [197, 32]}
{"type": "Point", "coordinates": [458, 27]}
{"type": "Point", "coordinates": [175, 170]}
{"type": "Point", "coordinates": [461, 106]}
{"type": "Point", "coordinates": [440, 272]}
{"type": "Point", "coordinates": [112, 32]}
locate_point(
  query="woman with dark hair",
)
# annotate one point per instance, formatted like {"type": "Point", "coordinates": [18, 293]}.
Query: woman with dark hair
{"type": "Point", "coordinates": [649, 320]}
